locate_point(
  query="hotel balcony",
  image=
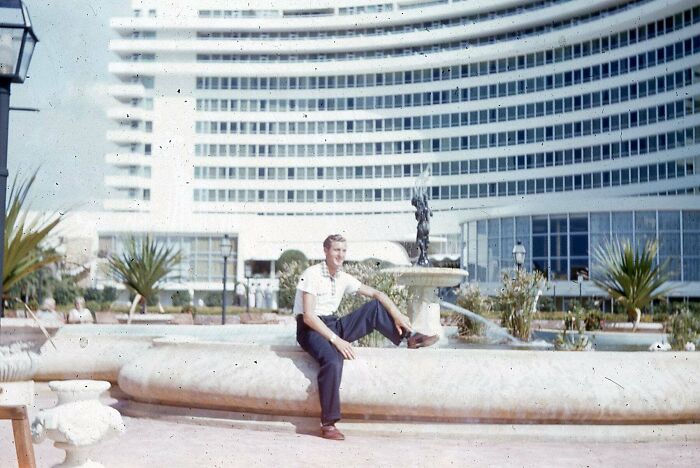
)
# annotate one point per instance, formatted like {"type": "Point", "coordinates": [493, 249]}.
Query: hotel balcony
{"type": "Point", "coordinates": [127, 159]}
{"type": "Point", "coordinates": [126, 136]}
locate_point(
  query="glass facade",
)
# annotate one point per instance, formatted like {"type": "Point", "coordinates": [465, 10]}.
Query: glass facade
{"type": "Point", "coordinates": [562, 245]}
{"type": "Point", "coordinates": [201, 255]}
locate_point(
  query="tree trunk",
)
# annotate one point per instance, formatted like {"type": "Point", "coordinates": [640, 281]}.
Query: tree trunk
{"type": "Point", "coordinates": [143, 305]}
{"type": "Point", "coordinates": [638, 317]}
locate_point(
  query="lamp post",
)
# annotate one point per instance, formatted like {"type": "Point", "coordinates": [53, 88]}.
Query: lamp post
{"type": "Point", "coordinates": [248, 273]}
{"type": "Point", "coordinates": [17, 41]}
{"type": "Point", "coordinates": [519, 255]}
{"type": "Point", "coordinates": [226, 247]}
{"type": "Point", "coordinates": [580, 279]}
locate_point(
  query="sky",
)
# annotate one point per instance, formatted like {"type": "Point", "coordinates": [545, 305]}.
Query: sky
{"type": "Point", "coordinates": [67, 81]}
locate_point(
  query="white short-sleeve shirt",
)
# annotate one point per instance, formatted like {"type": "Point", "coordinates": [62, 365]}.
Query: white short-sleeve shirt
{"type": "Point", "coordinates": [328, 290]}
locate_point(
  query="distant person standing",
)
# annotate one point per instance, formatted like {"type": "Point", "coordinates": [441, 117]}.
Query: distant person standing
{"type": "Point", "coordinates": [251, 296]}
{"type": "Point", "coordinates": [240, 294]}
{"type": "Point", "coordinates": [79, 313]}
{"type": "Point", "coordinates": [259, 299]}
{"type": "Point", "coordinates": [268, 296]}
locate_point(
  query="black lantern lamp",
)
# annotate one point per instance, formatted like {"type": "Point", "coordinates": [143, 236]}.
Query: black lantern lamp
{"type": "Point", "coordinates": [17, 41]}
{"type": "Point", "coordinates": [226, 248]}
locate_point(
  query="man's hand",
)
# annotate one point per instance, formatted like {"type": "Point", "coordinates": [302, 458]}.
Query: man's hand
{"type": "Point", "coordinates": [344, 347]}
{"type": "Point", "coordinates": [402, 323]}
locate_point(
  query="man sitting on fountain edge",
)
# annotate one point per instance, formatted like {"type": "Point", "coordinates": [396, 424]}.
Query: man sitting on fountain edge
{"type": "Point", "coordinates": [327, 337]}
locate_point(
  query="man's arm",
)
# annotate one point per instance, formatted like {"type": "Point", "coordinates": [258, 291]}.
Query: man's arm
{"type": "Point", "coordinates": [312, 321]}
{"type": "Point", "coordinates": [401, 321]}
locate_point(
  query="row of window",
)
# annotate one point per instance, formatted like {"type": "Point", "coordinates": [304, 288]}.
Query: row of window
{"type": "Point", "coordinates": [363, 9]}
{"type": "Point", "coordinates": [680, 191]}
{"type": "Point", "coordinates": [421, 50]}
{"type": "Point", "coordinates": [590, 180]}
{"type": "Point", "coordinates": [140, 58]}
{"type": "Point", "coordinates": [342, 11]}
{"type": "Point", "coordinates": [132, 194]}
{"type": "Point", "coordinates": [462, 119]}
{"type": "Point", "coordinates": [404, 28]}
{"type": "Point", "coordinates": [639, 118]}
{"type": "Point", "coordinates": [238, 13]}
{"type": "Point", "coordinates": [622, 66]}
{"type": "Point", "coordinates": [622, 148]}
{"type": "Point", "coordinates": [549, 159]}
{"type": "Point", "coordinates": [613, 95]}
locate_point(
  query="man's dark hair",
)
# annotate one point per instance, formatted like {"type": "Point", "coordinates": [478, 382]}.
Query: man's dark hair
{"type": "Point", "coordinates": [332, 238]}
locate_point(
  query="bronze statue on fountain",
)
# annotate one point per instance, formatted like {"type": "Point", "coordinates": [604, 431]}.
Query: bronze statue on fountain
{"type": "Point", "coordinates": [423, 214]}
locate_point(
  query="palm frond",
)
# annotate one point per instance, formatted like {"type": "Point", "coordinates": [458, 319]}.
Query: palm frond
{"type": "Point", "coordinates": [143, 265]}
{"type": "Point", "coordinates": [23, 252]}
{"type": "Point", "coordinates": [629, 276]}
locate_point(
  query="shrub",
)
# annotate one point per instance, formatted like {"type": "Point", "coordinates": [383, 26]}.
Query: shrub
{"type": "Point", "coordinates": [684, 328]}
{"type": "Point", "coordinates": [212, 299]}
{"type": "Point", "coordinates": [92, 294]}
{"type": "Point", "coordinates": [574, 321]}
{"type": "Point", "coordinates": [181, 298]}
{"type": "Point", "coordinates": [385, 282]}
{"type": "Point", "coordinates": [516, 301]}
{"type": "Point", "coordinates": [593, 320]}
{"type": "Point", "coordinates": [570, 321]}
{"type": "Point", "coordinates": [291, 256]}
{"type": "Point", "coordinates": [109, 294]}
{"type": "Point", "coordinates": [288, 279]}
{"type": "Point", "coordinates": [65, 292]}
{"type": "Point", "coordinates": [469, 297]}
{"type": "Point", "coordinates": [95, 306]}
{"type": "Point", "coordinates": [546, 304]}
{"type": "Point", "coordinates": [188, 309]}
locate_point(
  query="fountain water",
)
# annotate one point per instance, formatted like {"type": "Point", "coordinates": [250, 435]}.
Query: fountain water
{"type": "Point", "coordinates": [494, 333]}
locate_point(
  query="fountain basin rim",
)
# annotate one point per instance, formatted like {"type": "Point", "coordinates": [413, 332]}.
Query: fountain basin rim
{"type": "Point", "coordinates": [428, 276]}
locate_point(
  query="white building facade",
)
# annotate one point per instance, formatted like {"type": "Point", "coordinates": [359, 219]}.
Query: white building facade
{"type": "Point", "coordinates": [279, 122]}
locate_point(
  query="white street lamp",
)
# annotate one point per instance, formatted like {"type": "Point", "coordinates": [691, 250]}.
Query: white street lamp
{"type": "Point", "coordinates": [519, 254]}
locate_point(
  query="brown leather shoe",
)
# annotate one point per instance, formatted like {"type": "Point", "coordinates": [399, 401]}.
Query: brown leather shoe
{"type": "Point", "coordinates": [419, 340]}
{"type": "Point", "coordinates": [331, 433]}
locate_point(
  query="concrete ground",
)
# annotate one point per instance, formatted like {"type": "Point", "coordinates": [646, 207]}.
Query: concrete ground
{"type": "Point", "coordinates": [173, 442]}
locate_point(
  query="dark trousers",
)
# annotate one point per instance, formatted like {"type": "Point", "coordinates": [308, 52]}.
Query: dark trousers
{"type": "Point", "coordinates": [371, 316]}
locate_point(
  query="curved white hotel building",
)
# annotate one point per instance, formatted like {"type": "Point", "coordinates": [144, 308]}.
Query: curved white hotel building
{"type": "Point", "coordinates": [554, 122]}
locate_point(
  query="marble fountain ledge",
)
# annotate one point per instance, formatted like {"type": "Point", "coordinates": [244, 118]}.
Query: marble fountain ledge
{"type": "Point", "coordinates": [433, 384]}
{"type": "Point", "coordinates": [260, 368]}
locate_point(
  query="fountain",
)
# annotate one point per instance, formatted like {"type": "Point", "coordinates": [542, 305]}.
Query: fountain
{"type": "Point", "coordinates": [423, 280]}
{"type": "Point", "coordinates": [258, 371]}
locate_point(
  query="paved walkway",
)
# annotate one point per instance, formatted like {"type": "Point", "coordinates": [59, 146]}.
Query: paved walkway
{"type": "Point", "coordinates": [157, 443]}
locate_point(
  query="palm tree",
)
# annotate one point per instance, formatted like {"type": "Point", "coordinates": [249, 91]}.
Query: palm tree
{"type": "Point", "coordinates": [24, 253]}
{"type": "Point", "coordinates": [143, 265]}
{"type": "Point", "coordinates": [629, 276]}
